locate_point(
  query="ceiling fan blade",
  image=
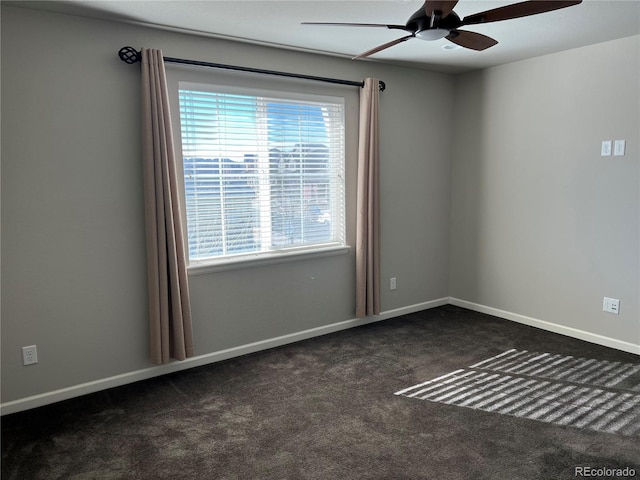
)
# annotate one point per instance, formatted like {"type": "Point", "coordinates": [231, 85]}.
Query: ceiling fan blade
{"type": "Point", "coordinates": [383, 47]}
{"type": "Point", "coordinates": [517, 10]}
{"type": "Point", "coordinates": [392, 27]}
{"type": "Point", "coordinates": [472, 40]}
{"type": "Point", "coordinates": [445, 7]}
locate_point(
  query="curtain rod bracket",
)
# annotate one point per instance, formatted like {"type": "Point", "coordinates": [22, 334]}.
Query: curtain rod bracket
{"type": "Point", "coordinates": [130, 55]}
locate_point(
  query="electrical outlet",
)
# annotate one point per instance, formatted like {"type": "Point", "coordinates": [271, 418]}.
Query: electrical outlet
{"type": "Point", "coordinates": [611, 305]}
{"type": "Point", "coordinates": [29, 355]}
{"type": "Point", "coordinates": [605, 149]}
{"type": "Point", "coordinates": [392, 283]}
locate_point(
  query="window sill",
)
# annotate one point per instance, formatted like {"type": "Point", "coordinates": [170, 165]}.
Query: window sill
{"type": "Point", "coordinates": [258, 260]}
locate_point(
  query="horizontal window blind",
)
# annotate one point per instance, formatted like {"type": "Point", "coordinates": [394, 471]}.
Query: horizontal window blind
{"type": "Point", "coordinates": [262, 174]}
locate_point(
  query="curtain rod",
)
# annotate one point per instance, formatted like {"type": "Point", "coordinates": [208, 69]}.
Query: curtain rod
{"type": "Point", "coordinates": [130, 55]}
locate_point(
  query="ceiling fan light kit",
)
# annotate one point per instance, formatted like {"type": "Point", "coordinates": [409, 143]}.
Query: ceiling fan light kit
{"type": "Point", "coordinates": [432, 34]}
{"type": "Point", "coordinates": [436, 19]}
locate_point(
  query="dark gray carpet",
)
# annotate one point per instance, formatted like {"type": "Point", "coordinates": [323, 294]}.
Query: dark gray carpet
{"type": "Point", "coordinates": [561, 389]}
{"type": "Point", "coordinates": [326, 408]}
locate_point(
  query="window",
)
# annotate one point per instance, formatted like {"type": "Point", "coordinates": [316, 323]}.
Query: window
{"type": "Point", "coordinates": [263, 173]}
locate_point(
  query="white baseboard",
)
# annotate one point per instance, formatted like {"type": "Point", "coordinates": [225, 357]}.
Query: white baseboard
{"type": "Point", "coordinates": [155, 371]}
{"type": "Point", "coordinates": [551, 327]}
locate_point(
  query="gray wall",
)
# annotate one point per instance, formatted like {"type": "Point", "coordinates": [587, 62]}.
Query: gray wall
{"type": "Point", "coordinates": [542, 225]}
{"type": "Point", "coordinates": [73, 261]}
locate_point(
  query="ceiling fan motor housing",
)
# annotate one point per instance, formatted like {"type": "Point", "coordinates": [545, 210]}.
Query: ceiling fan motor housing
{"type": "Point", "coordinates": [421, 22]}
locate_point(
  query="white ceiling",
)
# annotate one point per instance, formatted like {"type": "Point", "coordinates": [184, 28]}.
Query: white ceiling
{"type": "Point", "coordinates": [278, 23]}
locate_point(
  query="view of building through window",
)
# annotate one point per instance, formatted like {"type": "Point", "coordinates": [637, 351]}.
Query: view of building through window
{"type": "Point", "coordinates": [261, 174]}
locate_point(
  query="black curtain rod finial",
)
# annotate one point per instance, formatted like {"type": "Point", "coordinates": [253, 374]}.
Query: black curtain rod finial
{"type": "Point", "coordinates": [130, 55]}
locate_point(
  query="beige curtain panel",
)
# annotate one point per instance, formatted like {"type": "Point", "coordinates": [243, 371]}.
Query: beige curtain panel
{"type": "Point", "coordinates": [368, 204]}
{"type": "Point", "coordinates": [169, 307]}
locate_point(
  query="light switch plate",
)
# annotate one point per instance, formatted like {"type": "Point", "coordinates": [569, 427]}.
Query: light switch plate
{"type": "Point", "coordinates": [618, 148]}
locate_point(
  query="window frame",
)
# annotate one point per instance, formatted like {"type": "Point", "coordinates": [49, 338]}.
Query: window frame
{"type": "Point", "coordinates": [275, 256]}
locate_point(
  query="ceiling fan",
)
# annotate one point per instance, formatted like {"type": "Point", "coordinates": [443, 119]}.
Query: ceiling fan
{"type": "Point", "coordinates": [436, 20]}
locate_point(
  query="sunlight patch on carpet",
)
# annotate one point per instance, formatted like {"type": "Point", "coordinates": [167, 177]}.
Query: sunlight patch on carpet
{"type": "Point", "coordinates": [577, 392]}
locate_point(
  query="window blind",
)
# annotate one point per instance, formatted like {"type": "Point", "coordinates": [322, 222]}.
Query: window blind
{"type": "Point", "coordinates": [262, 173]}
